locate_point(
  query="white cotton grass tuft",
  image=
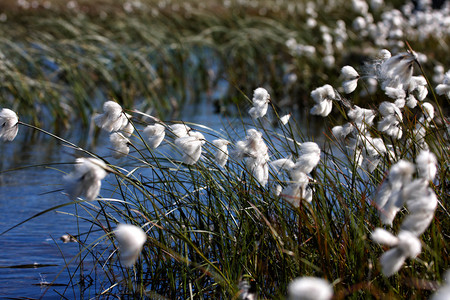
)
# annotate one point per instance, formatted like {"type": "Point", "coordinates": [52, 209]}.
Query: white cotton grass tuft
{"type": "Point", "coordinates": [221, 154]}
{"type": "Point", "coordinates": [131, 239]}
{"type": "Point", "coordinates": [154, 135]}
{"type": "Point", "coordinates": [391, 120]}
{"type": "Point", "coordinates": [384, 54]}
{"type": "Point", "coordinates": [112, 118]}
{"type": "Point", "coordinates": [405, 245]}
{"type": "Point", "coordinates": [285, 119]}
{"type": "Point", "coordinates": [396, 71]}
{"type": "Point", "coordinates": [254, 151]}
{"type": "Point", "coordinates": [341, 132]}
{"type": "Point", "coordinates": [190, 146]}
{"type": "Point", "coordinates": [444, 87]}
{"type": "Point", "coordinates": [323, 97]}
{"type": "Point", "coordinates": [297, 188]}
{"type": "Point", "coordinates": [418, 84]}
{"type": "Point", "coordinates": [309, 288]}
{"type": "Point", "coordinates": [361, 116]}
{"type": "Point", "coordinates": [428, 112]}
{"type": "Point", "coordinates": [389, 197]}
{"type": "Point", "coordinates": [410, 101]}
{"type": "Point", "coordinates": [373, 151]}
{"type": "Point", "coordinates": [127, 127]}
{"type": "Point", "coordinates": [421, 202]}
{"type": "Point", "coordinates": [85, 180]}
{"type": "Point", "coordinates": [9, 124]}
{"type": "Point", "coordinates": [384, 237]}
{"type": "Point", "coordinates": [179, 130]}
{"type": "Point", "coordinates": [350, 76]}
{"type": "Point", "coordinates": [309, 158]}
{"type": "Point", "coordinates": [395, 93]}
{"type": "Point", "coordinates": [120, 144]}
{"type": "Point", "coordinates": [261, 99]}
{"type": "Point", "coordinates": [426, 163]}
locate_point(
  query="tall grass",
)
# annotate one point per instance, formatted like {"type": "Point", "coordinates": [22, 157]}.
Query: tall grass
{"type": "Point", "coordinates": [209, 227]}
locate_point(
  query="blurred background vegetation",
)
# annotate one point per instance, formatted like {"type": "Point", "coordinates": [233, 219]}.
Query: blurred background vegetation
{"type": "Point", "coordinates": [59, 60]}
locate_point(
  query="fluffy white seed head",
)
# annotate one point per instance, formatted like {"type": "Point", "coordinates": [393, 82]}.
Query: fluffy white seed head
{"type": "Point", "coordinates": [401, 173]}
{"type": "Point", "coordinates": [179, 130]}
{"type": "Point", "coordinates": [341, 132]}
{"type": "Point", "coordinates": [391, 126]}
{"type": "Point", "coordinates": [361, 115]}
{"type": "Point", "coordinates": [417, 223]}
{"type": "Point", "coordinates": [390, 109]}
{"type": "Point", "coordinates": [221, 155]}
{"type": "Point", "coordinates": [384, 54]}
{"type": "Point", "coordinates": [127, 128]}
{"type": "Point", "coordinates": [411, 101]}
{"type": "Point", "coordinates": [322, 109]}
{"type": "Point", "coordinates": [283, 164]}
{"type": "Point", "coordinates": [261, 100]}
{"type": "Point", "coordinates": [131, 238]}
{"type": "Point", "coordinates": [426, 164]}
{"type": "Point", "coordinates": [420, 197]}
{"type": "Point", "coordinates": [350, 77]}
{"type": "Point", "coordinates": [323, 93]}
{"type": "Point", "coordinates": [120, 144]}
{"type": "Point", "coordinates": [428, 111]}
{"type": "Point", "coordinates": [261, 95]}
{"type": "Point", "coordinates": [309, 159]}
{"type": "Point", "coordinates": [309, 288]}
{"type": "Point", "coordinates": [444, 87]}
{"type": "Point", "coordinates": [259, 168]}
{"type": "Point", "coordinates": [395, 93]}
{"type": "Point", "coordinates": [285, 119]}
{"type": "Point", "coordinates": [85, 180]}
{"type": "Point", "coordinates": [252, 146]}
{"type": "Point", "coordinates": [112, 118]}
{"type": "Point", "coordinates": [350, 85]}
{"type": "Point", "coordinates": [397, 70]}
{"type": "Point", "coordinates": [384, 237]}
{"type": "Point", "coordinates": [348, 72]}
{"type": "Point", "coordinates": [407, 246]}
{"type": "Point", "coordinates": [155, 135]}
{"type": "Point", "coordinates": [8, 124]}
{"type": "Point", "coordinates": [389, 198]}
{"type": "Point", "coordinates": [255, 152]}
{"type": "Point", "coordinates": [418, 84]}
{"type": "Point", "coordinates": [391, 261]}
{"type": "Point", "coordinates": [190, 147]}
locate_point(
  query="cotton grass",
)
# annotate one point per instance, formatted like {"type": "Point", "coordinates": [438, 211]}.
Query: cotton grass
{"type": "Point", "coordinates": [8, 124]}
{"type": "Point", "coordinates": [259, 203]}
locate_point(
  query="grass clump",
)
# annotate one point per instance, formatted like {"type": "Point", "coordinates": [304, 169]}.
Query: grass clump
{"type": "Point", "coordinates": [365, 208]}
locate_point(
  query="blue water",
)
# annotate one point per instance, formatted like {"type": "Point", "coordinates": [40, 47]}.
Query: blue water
{"type": "Point", "coordinates": [32, 254]}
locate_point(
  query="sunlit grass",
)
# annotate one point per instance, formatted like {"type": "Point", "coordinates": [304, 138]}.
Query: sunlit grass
{"type": "Point", "coordinates": [210, 227]}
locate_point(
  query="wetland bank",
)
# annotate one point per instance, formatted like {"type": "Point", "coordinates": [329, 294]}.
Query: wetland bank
{"type": "Point", "coordinates": [278, 148]}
